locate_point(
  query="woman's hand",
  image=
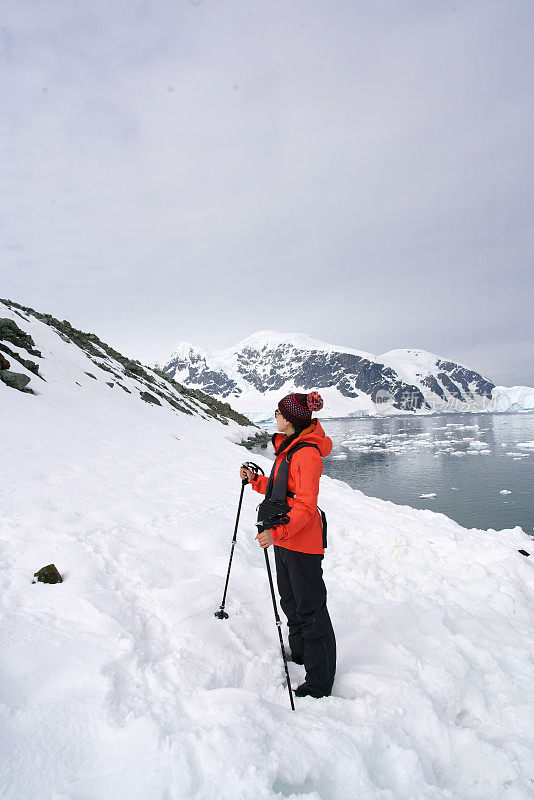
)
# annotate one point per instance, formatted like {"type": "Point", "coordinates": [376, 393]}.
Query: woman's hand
{"type": "Point", "coordinates": [265, 539]}
{"type": "Point", "coordinates": [245, 473]}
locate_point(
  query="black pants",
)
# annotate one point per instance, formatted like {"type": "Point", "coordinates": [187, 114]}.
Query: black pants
{"type": "Point", "coordinates": [303, 600]}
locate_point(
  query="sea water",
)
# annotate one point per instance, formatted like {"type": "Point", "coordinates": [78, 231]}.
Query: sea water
{"type": "Point", "coordinates": [477, 469]}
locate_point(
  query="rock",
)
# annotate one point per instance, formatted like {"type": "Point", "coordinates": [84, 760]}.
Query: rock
{"type": "Point", "coordinates": [135, 370]}
{"type": "Point", "coordinates": [31, 365]}
{"type": "Point", "coordinates": [10, 332]}
{"type": "Point", "coordinates": [149, 398]}
{"type": "Point", "coordinates": [14, 379]}
{"type": "Point", "coordinates": [48, 574]}
{"type": "Point", "coordinates": [91, 375]}
{"type": "Point", "coordinates": [5, 350]}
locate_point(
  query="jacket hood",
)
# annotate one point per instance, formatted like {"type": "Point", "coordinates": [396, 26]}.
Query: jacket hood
{"type": "Point", "coordinates": [315, 434]}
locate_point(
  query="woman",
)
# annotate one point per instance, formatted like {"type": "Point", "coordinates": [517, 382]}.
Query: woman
{"type": "Point", "coordinates": [298, 545]}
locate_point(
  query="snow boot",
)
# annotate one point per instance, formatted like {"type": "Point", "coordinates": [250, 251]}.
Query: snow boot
{"type": "Point", "coordinates": [305, 689]}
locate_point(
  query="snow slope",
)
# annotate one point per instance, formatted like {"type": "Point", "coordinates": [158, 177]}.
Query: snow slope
{"type": "Point", "coordinates": [120, 684]}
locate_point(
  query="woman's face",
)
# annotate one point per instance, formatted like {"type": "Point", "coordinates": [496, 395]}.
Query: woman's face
{"type": "Point", "coordinates": [283, 425]}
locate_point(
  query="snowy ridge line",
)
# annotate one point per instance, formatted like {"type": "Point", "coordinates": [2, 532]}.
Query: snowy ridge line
{"type": "Point", "coordinates": [107, 360]}
{"type": "Point", "coordinates": [261, 368]}
{"type": "Point", "coordinates": [267, 339]}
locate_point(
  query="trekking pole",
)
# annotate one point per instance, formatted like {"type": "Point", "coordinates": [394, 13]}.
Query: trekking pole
{"type": "Point", "coordinates": [221, 614]}
{"type": "Point", "coordinates": [278, 625]}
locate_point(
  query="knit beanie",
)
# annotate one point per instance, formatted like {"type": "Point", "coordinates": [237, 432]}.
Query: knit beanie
{"type": "Point", "coordinates": [297, 408]}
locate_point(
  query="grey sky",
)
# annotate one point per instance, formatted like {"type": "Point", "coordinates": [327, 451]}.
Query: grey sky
{"type": "Point", "coordinates": [358, 171]}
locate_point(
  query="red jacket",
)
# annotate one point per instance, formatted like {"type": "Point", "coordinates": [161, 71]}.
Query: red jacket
{"type": "Point", "coordinates": [304, 532]}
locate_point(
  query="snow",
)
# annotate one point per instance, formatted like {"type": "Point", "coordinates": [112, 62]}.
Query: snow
{"type": "Point", "coordinates": [269, 339]}
{"type": "Point", "coordinates": [119, 683]}
{"type": "Point", "coordinates": [187, 350]}
{"type": "Point", "coordinates": [411, 365]}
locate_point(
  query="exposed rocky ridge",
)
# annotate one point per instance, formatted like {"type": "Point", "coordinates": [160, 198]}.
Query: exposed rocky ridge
{"type": "Point", "coordinates": [456, 378]}
{"type": "Point", "coordinates": [11, 337]}
{"type": "Point", "coordinates": [154, 387]}
{"type": "Point", "coordinates": [269, 371]}
{"type": "Point", "coordinates": [315, 369]}
{"type": "Point", "coordinates": [193, 369]}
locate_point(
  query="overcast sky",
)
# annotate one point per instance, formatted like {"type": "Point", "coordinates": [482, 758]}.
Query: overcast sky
{"type": "Point", "coordinates": [201, 169]}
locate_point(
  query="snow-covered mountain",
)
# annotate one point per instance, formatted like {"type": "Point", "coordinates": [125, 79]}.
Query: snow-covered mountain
{"type": "Point", "coordinates": [120, 684]}
{"type": "Point", "coordinates": [255, 373]}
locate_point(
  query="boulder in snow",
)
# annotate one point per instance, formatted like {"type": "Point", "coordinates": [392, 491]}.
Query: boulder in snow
{"type": "Point", "coordinates": [48, 574]}
{"type": "Point", "coordinates": [16, 380]}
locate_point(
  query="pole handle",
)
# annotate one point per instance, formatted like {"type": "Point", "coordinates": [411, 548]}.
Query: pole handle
{"type": "Point", "coordinates": [253, 468]}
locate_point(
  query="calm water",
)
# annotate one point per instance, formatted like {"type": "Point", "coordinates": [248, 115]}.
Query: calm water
{"type": "Point", "coordinates": [465, 459]}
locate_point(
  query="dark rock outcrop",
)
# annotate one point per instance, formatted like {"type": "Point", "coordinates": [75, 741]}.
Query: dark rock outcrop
{"type": "Point", "coordinates": [11, 334]}
{"type": "Point", "coordinates": [149, 398]}
{"type": "Point", "coordinates": [467, 378]}
{"type": "Point", "coordinates": [15, 380]}
{"type": "Point", "coordinates": [197, 372]}
{"type": "Point", "coordinates": [262, 440]}
{"type": "Point", "coordinates": [48, 574]}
